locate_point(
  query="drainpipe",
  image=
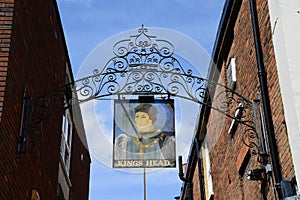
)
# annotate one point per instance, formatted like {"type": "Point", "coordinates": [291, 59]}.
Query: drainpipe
{"type": "Point", "coordinates": [184, 179]}
{"type": "Point", "coordinates": [262, 74]}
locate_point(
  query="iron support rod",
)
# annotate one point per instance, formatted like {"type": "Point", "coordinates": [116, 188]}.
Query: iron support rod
{"type": "Point", "coordinates": [145, 186]}
{"type": "Point", "coordinates": [262, 74]}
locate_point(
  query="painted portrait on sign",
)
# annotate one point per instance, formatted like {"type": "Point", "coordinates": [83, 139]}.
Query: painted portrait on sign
{"type": "Point", "coordinates": [144, 134]}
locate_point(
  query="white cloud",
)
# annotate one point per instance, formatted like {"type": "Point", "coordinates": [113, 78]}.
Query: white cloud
{"type": "Point", "coordinates": [98, 131]}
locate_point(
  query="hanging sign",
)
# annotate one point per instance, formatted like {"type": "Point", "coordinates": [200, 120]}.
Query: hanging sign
{"type": "Point", "coordinates": [144, 134]}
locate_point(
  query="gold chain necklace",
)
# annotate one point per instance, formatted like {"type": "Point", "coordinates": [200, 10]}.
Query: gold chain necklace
{"type": "Point", "coordinates": [145, 146]}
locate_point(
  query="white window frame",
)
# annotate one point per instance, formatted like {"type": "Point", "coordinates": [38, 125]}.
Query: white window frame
{"type": "Point", "coordinates": [231, 74]}
{"type": "Point", "coordinates": [209, 192]}
{"type": "Point", "coordinates": [66, 140]}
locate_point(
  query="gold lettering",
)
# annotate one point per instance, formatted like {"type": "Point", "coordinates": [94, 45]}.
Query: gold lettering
{"type": "Point", "coordinates": [142, 163]}
{"type": "Point", "coordinates": [129, 163]}
{"type": "Point", "coordinates": [158, 163]}
{"type": "Point", "coordinates": [120, 163]}
{"type": "Point", "coordinates": [148, 163]}
{"type": "Point", "coordinates": [167, 163]}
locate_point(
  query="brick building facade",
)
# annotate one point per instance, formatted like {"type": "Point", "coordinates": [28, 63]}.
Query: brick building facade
{"type": "Point", "coordinates": [48, 162]}
{"type": "Point", "coordinates": [219, 160]}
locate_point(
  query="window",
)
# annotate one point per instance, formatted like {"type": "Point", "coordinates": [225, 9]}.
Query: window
{"type": "Point", "coordinates": [231, 74]}
{"type": "Point", "coordinates": [209, 193]}
{"type": "Point", "coordinates": [66, 140]}
{"type": "Point", "coordinates": [235, 122]}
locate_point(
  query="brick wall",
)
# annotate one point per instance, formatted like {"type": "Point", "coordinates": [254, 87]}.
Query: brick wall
{"type": "Point", "coordinates": [195, 185]}
{"type": "Point", "coordinates": [33, 56]}
{"type": "Point", "coordinates": [79, 169]}
{"type": "Point", "coordinates": [228, 153]}
{"type": "Point", "coordinates": [6, 13]}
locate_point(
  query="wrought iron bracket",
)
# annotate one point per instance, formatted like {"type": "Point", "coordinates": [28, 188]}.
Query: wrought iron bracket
{"type": "Point", "coordinates": [36, 111]}
{"type": "Point", "coordinates": [141, 65]}
{"type": "Point", "coordinates": [255, 138]}
{"type": "Point", "coordinates": [146, 65]}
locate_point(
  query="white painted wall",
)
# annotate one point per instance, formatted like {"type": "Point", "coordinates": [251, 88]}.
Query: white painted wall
{"type": "Point", "coordinates": [285, 23]}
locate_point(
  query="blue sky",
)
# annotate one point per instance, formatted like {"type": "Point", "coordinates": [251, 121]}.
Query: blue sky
{"type": "Point", "coordinates": [88, 23]}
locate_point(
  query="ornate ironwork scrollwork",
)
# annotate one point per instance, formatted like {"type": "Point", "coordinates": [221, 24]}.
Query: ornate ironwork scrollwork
{"type": "Point", "coordinates": [255, 137]}
{"type": "Point", "coordinates": [144, 64]}
{"type": "Point", "coordinates": [35, 111]}
{"type": "Point", "coordinates": [249, 137]}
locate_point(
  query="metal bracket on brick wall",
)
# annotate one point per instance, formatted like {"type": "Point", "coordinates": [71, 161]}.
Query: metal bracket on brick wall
{"type": "Point", "coordinates": [23, 141]}
{"type": "Point", "coordinates": [35, 111]}
{"type": "Point", "coordinates": [142, 65]}
{"type": "Point", "coordinates": [255, 137]}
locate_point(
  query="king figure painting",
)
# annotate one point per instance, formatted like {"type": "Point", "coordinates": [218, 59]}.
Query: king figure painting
{"type": "Point", "coordinates": [144, 134]}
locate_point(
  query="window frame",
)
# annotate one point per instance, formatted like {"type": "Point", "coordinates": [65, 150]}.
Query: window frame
{"type": "Point", "coordinates": [66, 139]}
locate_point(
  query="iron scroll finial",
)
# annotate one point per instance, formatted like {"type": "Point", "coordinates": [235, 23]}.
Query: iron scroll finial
{"type": "Point", "coordinates": [143, 44]}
